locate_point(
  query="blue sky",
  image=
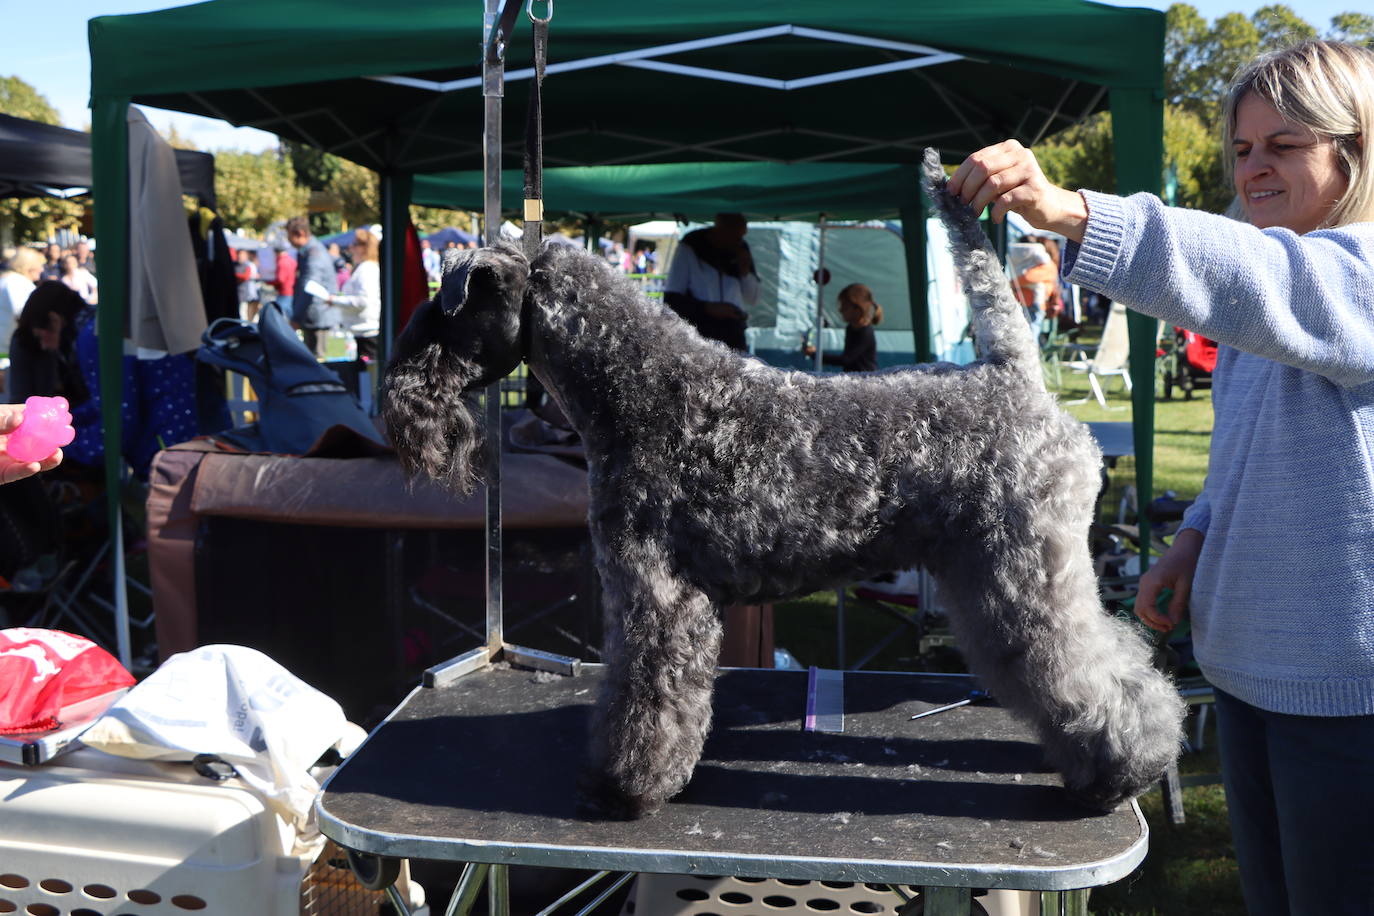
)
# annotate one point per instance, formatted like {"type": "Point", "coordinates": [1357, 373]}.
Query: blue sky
{"type": "Point", "coordinates": [45, 45]}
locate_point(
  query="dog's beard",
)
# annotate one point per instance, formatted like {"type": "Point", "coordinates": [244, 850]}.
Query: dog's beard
{"type": "Point", "coordinates": [435, 428]}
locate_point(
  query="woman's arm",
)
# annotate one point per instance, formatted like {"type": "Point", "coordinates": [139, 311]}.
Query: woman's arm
{"type": "Point", "coordinates": [362, 294]}
{"type": "Point", "coordinates": [1300, 300]}
{"type": "Point", "coordinates": [1303, 301]}
{"type": "Point", "coordinates": [860, 351]}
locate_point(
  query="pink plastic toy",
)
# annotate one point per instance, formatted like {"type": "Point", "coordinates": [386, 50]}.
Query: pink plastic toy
{"type": "Point", "coordinates": [47, 426]}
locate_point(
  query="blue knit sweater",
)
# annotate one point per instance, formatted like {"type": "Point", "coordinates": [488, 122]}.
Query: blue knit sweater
{"type": "Point", "coordinates": [1283, 598]}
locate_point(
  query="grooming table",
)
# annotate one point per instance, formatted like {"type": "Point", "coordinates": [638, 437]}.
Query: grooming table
{"type": "Point", "coordinates": [1117, 440]}
{"type": "Point", "coordinates": [484, 770]}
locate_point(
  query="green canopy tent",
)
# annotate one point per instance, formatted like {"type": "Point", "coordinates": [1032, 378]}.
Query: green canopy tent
{"type": "Point", "coordinates": [797, 81]}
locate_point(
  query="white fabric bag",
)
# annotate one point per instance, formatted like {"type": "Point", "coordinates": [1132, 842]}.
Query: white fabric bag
{"type": "Point", "coordinates": [239, 705]}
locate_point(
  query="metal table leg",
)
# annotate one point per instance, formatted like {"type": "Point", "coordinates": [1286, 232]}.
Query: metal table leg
{"type": "Point", "coordinates": [1064, 903]}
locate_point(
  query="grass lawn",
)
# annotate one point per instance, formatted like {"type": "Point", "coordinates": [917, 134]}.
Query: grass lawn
{"type": "Point", "coordinates": [1190, 869]}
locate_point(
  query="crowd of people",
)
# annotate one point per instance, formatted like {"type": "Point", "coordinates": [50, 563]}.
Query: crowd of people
{"type": "Point", "coordinates": [25, 267]}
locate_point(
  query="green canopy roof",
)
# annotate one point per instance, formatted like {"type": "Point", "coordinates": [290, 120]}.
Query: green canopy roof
{"type": "Point", "coordinates": [691, 190]}
{"type": "Point", "coordinates": [711, 80]}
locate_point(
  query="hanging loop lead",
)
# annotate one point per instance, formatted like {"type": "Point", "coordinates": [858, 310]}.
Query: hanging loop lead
{"type": "Point", "coordinates": [529, 11]}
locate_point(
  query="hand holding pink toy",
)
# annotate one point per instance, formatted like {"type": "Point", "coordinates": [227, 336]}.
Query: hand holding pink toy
{"type": "Point", "coordinates": [31, 436]}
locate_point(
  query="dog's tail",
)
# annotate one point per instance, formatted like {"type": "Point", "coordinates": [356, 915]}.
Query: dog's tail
{"type": "Point", "coordinates": [1001, 331]}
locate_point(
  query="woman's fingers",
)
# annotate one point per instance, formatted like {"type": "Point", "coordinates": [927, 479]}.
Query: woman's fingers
{"type": "Point", "coordinates": [971, 179]}
{"type": "Point", "coordinates": [1145, 600]}
{"type": "Point", "coordinates": [1178, 604]}
{"type": "Point", "coordinates": [11, 470]}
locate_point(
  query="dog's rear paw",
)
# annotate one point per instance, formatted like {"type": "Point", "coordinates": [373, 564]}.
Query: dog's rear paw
{"type": "Point", "coordinates": [599, 797]}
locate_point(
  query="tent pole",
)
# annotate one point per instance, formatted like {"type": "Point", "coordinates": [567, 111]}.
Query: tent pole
{"type": "Point", "coordinates": [820, 296]}
{"type": "Point", "coordinates": [493, 87]}
{"type": "Point", "coordinates": [1138, 144]}
{"type": "Point", "coordinates": [395, 192]}
{"type": "Point", "coordinates": [110, 184]}
{"type": "Point", "coordinates": [913, 215]}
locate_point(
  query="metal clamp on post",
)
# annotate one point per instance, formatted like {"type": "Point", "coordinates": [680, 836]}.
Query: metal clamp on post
{"type": "Point", "coordinates": [534, 136]}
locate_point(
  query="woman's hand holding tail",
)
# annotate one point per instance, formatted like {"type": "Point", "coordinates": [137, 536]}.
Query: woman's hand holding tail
{"type": "Point", "coordinates": [1007, 177]}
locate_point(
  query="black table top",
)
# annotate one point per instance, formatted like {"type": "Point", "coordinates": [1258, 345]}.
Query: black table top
{"type": "Point", "coordinates": [1115, 438]}
{"type": "Point", "coordinates": [485, 770]}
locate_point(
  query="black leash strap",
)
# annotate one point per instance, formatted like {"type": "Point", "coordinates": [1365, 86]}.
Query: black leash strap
{"type": "Point", "coordinates": [534, 139]}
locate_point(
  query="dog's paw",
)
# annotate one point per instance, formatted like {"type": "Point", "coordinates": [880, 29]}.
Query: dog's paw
{"type": "Point", "coordinates": [600, 798]}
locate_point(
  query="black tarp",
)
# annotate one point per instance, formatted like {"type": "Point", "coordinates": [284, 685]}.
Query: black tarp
{"type": "Point", "coordinates": [37, 159]}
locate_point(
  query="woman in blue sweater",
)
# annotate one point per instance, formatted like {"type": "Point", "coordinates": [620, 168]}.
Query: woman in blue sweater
{"type": "Point", "coordinates": [1275, 560]}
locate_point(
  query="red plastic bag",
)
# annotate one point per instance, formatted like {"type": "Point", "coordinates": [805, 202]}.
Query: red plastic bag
{"type": "Point", "coordinates": [41, 671]}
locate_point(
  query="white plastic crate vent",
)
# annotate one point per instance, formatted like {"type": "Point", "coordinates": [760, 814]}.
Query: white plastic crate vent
{"type": "Point", "coordinates": [94, 835]}
{"type": "Point", "coordinates": [701, 895]}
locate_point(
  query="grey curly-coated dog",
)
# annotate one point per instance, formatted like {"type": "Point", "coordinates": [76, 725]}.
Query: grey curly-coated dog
{"type": "Point", "coordinates": [716, 479]}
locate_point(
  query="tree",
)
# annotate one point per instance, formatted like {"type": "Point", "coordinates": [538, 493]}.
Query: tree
{"type": "Point", "coordinates": [1279, 27]}
{"type": "Point", "coordinates": [20, 100]}
{"type": "Point", "coordinates": [1200, 59]}
{"type": "Point", "coordinates": [359, 193]}
{"type": "Point", "coordinates": [34, 219]}
{"type": "Point", "coordinates": [257, 189]}
{"type": "Point", "coordinates": [1357, 28]}
{"type": "Point", "coordinates": [1081, 156]}
{"type": "Point", "coordinates": [316, 170]}
{"type": "Point", "coordinates": [431, 219]}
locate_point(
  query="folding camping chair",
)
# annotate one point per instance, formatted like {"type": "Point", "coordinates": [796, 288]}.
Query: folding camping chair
{"type": "Point", "coordinates": [1110, 357]}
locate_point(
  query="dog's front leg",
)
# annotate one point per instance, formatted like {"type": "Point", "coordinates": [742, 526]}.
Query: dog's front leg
{"type": "Point", "coordinates": [661, 645]}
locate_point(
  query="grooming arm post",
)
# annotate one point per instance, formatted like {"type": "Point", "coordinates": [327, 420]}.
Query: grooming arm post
{"type": "Point", "coordinates": [494, 37]}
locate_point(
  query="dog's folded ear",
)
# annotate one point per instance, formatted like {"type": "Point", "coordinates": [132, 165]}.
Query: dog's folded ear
{"type": "Point", "coordinates": [477, 273]}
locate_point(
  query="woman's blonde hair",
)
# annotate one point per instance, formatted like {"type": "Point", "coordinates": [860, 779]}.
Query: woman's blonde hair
{"type": "Point", "coordinates": [1327, 87]}
{"type": "Point", "coordinates": [25, 260]}
{"type": "Point", "coordinates": [369, 243]}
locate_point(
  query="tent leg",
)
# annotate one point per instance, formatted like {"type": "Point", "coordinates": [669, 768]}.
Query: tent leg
{"type": "Point", "coordinates": [820, 299]}
{"type": "Point", "coordinates": [913, 216]}
{"type": "Point", "coordinates": [110, 175]}
{"type": "Point", "coordinates": [395, 193]}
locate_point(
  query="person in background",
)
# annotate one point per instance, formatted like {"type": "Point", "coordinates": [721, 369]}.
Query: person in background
{"type": "Point", "coordinates": [16, 283]}
{"type": "Point", "coordinates": [75, 277]}
{"type": "Point", "coordinates": [712, 281]}
{"type": "Point", "coordinates": [284, 275]}
{"type": "Point", "coordinates": [430, 259]}
{"type": "Point", "coordinates": [85, 258]}
{"type": "Point", "coordinates": [52, 270]}
{"type": "Point", "coordinates": [360, 300]}
{"type": "Point", "coordinates": [341, 265]}
{"type": "Point", "coordinates": [314, 269]}
{"type": "Point", "coordinates": [860, 314]}
{"type": "Point", "coordinates": [1037, 285]}
{"type": "Point", "coordinates": [249, 288]}
{"type": "Point", "coordinates": [1275, 559]}
{"type": "Point", "coordinates": [43, 349]}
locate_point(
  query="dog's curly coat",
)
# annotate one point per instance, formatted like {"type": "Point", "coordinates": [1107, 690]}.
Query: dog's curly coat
{"type": "Point", "coordinates": [716, 479]}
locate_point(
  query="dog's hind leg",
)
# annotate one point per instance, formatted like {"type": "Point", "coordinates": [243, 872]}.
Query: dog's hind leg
{"type": "Point", "coordinates": [662, 641]}
{"type": "Point", "coordinates": [1028, 617]}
